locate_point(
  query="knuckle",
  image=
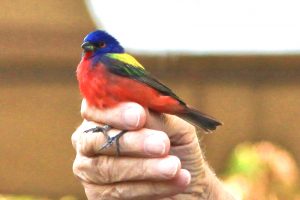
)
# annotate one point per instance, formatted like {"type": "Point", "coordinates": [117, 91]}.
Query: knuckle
{"type": "Point", "coordinates": [168, 120]}
{"type": "Point", "coordinates": [99, 192]}
{"type": "Point", "coordinates": [143, 169]}
{"type": "Point", "coordinates": [76, 167]}
{"type": "Point", "coordinates": [89, 144]}
{"type": "Point", "coordinates": [115, 193]}
{"type": "Point", "coordinates": [112, 193]}
{"type": "Point", "coordinates": [186, 135]}
{"type": "Point", "coordinates": [105, 169]}
{"type": "Point", "coordinates": [85, 145]}
{"type": "Point", "coordinates": [77, 135]}
{"type": "Point", "coordinates": [185, 132]}
{"type": "Point", "coordinates": [79, 169]}
{"type": "Point", "coordinates": [189, 129]}
{"type": "Point", "coordinates": [74, 139]}
{"type": "Point", "coordinates": [155, 188]}
{"type": "Point", "coordinates": [88, 170]}
{"type": "Point", "coordinates": [85, 114]}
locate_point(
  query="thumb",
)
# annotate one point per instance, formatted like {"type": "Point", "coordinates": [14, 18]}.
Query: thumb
{"type": "Point", "coordinates": [179, 131]}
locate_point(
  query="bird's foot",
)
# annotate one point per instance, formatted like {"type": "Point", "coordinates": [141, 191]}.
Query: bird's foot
{"type": "Point", "coordinates": [104, 129]}
{"type": "Point", "coordinates": [109, 140]}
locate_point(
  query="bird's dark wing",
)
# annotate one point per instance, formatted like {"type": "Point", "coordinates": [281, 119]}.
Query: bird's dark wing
{"type": "Point", "coordinates": [127, 66]}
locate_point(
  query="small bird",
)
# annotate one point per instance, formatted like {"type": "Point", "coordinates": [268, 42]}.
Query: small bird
{"type": "Point", "coordinates": [107, 76]}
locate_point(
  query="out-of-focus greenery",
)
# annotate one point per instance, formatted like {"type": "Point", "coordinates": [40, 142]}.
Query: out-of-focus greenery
{"type": "Point", "coordinates": [28, 197]}
{"type": "Point", "coordinates": [245, 160]}
{"type": "Point", "coordinates": [262, 171]}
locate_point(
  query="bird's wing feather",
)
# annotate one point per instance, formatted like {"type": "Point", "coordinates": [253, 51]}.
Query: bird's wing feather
{"type": "Point", "coordinates": [127, 66]}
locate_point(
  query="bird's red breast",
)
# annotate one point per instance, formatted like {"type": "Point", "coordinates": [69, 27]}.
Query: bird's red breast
{"type": "Point", "coordinates": [104, 89]}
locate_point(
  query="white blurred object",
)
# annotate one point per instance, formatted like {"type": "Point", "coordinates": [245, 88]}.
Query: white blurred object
{"type": "Point", "coordinates": [201, 26]}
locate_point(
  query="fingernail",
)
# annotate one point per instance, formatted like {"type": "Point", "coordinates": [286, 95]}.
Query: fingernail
{"type": "Point", "coordinates": [154, 145]}
{"type": "Point", "coordinates": [169, 166]}
{"type": "Point", "coordinates": [186, 177]}
{"type": "Point", "coordinates": [131, 117]}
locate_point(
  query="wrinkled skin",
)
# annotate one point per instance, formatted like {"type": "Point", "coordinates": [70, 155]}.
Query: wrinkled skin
{"type": "Point", "coordinates": [160, 157]}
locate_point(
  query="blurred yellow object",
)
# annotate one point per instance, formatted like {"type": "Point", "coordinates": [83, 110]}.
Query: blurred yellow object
{"type": "Point", "coordinates": [68, 198]}
{"type": "Point", "coordinates": [21, 197]}
{"type": "Point", "coordinates": [262, 171]}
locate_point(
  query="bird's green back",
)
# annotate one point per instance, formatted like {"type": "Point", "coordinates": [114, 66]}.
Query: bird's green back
{"type": "Point", "coordinates": [126, 65]}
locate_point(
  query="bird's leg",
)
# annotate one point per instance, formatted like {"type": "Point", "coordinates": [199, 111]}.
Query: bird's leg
{"type": "Point", "coordinates": [109, 140]}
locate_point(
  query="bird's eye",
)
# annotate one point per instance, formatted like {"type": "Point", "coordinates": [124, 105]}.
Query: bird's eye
{"type": "Point", "coordinates": [102, 44]}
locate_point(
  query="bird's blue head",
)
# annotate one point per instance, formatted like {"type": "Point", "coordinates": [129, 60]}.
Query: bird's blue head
{"type": "Point", "coordinates": [100, 42]}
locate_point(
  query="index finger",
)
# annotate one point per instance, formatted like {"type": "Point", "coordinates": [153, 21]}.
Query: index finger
{"type": "Point", "coordinates": [132, 116]}
{"type": "Point", "coordinates": [124, 116]}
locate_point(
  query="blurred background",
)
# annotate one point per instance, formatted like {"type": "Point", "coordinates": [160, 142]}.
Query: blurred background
{"type": "Point", "coordinates": [246, 73]}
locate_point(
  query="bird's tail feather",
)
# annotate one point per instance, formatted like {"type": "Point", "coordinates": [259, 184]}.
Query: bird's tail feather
{"type": "Point", "coordinates": [207, 123]}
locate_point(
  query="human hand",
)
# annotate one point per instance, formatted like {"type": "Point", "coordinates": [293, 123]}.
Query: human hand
{"type": "Point", "coordinates": [160, 157]}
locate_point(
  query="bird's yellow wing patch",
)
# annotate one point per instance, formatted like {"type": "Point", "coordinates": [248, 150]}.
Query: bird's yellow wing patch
{"type": "Point", "coordinates": [126, 58]}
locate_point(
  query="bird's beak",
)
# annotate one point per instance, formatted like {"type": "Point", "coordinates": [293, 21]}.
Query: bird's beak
{"type": "Point", "coordinates": [87, 46]}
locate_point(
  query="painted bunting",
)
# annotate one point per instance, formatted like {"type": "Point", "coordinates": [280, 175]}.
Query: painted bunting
{"type": "Point", "coordinates": [107, 76]}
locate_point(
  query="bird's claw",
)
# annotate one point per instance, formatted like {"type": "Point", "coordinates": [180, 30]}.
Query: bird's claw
{"type": "Point", "coordinates": [109, 140]}
{"type": "Point", "coordinates": [104, 129]}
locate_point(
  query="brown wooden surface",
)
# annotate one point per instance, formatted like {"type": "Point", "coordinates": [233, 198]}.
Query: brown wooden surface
{"type": "Point", "coordinates": [257, 97]}
{"type": "Point", "coordinates": [40, 48]}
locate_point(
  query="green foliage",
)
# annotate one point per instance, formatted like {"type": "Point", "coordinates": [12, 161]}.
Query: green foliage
{"type": "Point", "coordinates": [262, 171]}
{"type": "Point", "coordinates": [20, 197]}
{"type": "Point", "coordinates": [245, 161]}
